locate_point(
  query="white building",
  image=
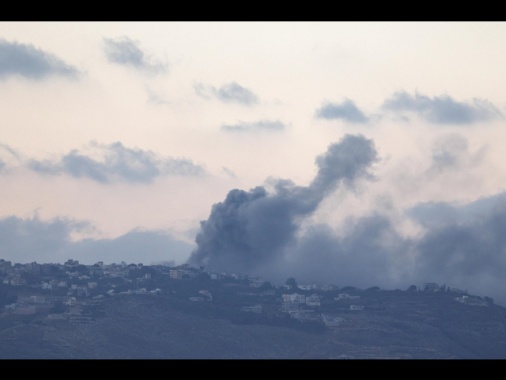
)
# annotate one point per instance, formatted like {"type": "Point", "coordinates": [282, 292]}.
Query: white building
{"type": "Point", "coordinates": [313, 300]}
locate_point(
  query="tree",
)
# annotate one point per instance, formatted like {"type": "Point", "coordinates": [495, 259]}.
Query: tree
{"type": "Point", "coordinates": [202, 279]}
{"type": "Point", "coordinates": [412, 288]}
{"type": "Point", "coordinates": [83, 269]}
{"type": "Point", "coordinates": [292, 283]}
{"type": "Point", "coordinates": [6, 298]}
{"type": "Point", "coordinates": [266, 285]}
{"type": "Point", "coordinates": [58, 308]}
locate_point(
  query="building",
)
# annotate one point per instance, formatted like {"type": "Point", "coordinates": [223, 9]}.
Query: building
{"type": "Point", "coordinates": [292, 302]}
{"type": "Point", "coordinates": [331, 320]}
{"type": "Point", "coordinates": [252, 309]}
{"type": "Point", "coordinates": [313, 300]}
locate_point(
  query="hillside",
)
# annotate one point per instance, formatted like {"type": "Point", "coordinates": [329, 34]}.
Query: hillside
{"type": "Point", "coordinates": [392, 324]}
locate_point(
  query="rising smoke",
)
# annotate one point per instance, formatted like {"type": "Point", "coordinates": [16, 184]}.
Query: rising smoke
{"type": "Point", "coordinates": [251, 229]}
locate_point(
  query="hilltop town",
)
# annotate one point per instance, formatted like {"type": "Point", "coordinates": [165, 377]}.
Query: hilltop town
{"type": "Point", "coordinates": [107, 311]}
{"type": "Point", "coordinates": [71, 290]}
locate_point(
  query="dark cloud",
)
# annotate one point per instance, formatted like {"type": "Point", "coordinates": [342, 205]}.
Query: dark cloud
{"type": "Point", "coordinates": [347, 110]}
{"type": "Point", "coordinates": [23, 60]}
{"type": "Point", "coordinates": [434, 215]}
{"type": "Point", "coordinates": [366, 255]}
{"type": "Point", "coordinates": [228, 93]}
{"type": "Point", "coordinates": [464, 245]}
{"type": "Point", "coordinates": [118, 164]}
{"type": "Point", "coordinates": [262, 125]}
{"type": "Point", "coordinates": [251, 228]}
{"type": "Point", "coordinates": [28, 240]}
{"type": "Point", "coordinates": [442, 109]}
{"type": "Point", "coordinates": [266, 233]}
{"type": "Point", "coordinates": [344, 161]}
{"type": "Point", "coordinates": [125, 51]}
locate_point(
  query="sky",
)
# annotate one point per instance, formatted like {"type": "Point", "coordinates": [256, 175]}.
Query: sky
{"type": "Point", "coordinates": [351, 153]}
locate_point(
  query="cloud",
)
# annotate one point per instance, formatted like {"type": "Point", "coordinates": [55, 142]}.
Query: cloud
{"type": "Point", "coordinates": [250, 229]}
{"type": "Point", "coordinates": [262, 125]}
{"type": "Point", "coordinates": [228, 93]}
{"type": "Point", "coordinates": [28, 240]}
{"type": "Point", "coordinates": [442, 109]}
{"type": "Point", "coordinates": [147, 247]}
{"type": "Point", "coordinates": [24, 60]}
{"type": "Point", "coordinates": [345, 161]}
{"type": "Point", "coordinates": [125, 51]}
{"type": "Point", "coordinates": [117, 163]}
{"type": "Point", "coordinates": [347, 111]}
{"type": "Point", "coordinates": [155, 98]}
{"type": "Point", "coordinates": [10, 151]}
{"type": "Point", "coordinates": [435, 215]}
{"type": "Point", "coordinates": [8, 156]}
{"type": "Point", "coordinates": [270, 233]}
{"type": "Point", "coordinates": [228, 172]}
{"type": "Point", "coordinates": [464, 245]}
{"type": "Point", "coordinates": [461, 245]}
{"type": "Point", "coordinates": [451, 152]}
{"type": "Point", "coordinates": [368, 254]}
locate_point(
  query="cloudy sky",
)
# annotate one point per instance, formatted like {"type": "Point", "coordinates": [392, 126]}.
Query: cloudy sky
{"type": "Point", "coordinates": [353, 153]}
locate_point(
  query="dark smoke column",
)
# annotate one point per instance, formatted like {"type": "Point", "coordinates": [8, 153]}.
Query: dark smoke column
{"type": "Point", "coordinates": [250, 228]}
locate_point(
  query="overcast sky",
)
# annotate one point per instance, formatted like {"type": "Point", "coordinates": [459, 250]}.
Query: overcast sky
{"type": "Point", "coordinates": [353, 153]}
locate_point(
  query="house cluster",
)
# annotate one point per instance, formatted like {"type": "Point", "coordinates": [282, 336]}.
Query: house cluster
{"type": "Point", "coordinates": [72, 290]}
{"type": "Point", "coordinates": [44, 288]}
{"type": "Point", "coordinates": [296, 302]}
{"type": "Point", "coordinates": [433, 287]}
{"type": "Point", "coordinates": [183, 271]}
{"type": "Point", "coordinates": [204, 295]}
{"type": "Point", "coordinates": [301, 307]}
{"type": "Point", "coordinates": [473, 301]}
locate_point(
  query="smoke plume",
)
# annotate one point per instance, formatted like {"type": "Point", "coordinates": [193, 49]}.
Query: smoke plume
{"type": "Point", "coordinates": [250, 229]}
